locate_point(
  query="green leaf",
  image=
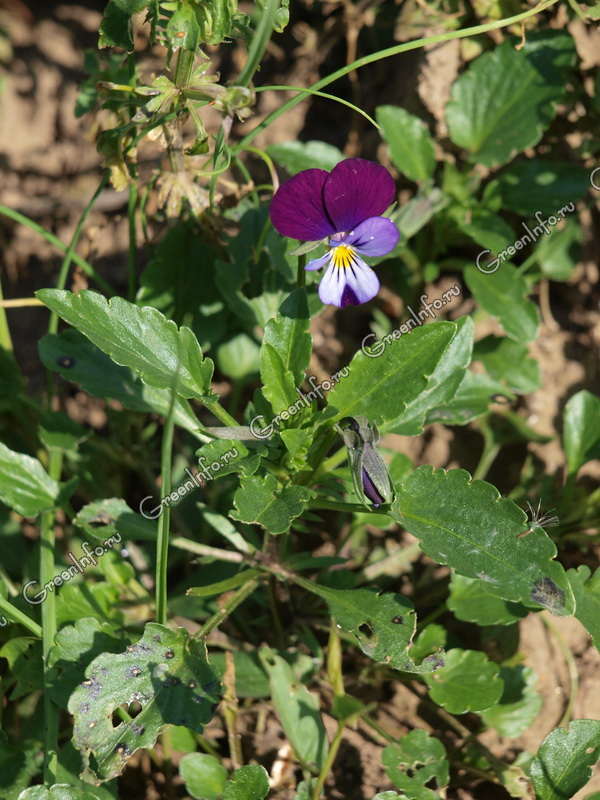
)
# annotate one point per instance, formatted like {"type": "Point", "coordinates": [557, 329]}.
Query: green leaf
{"type": "Point", "coordinates": [468, 681]}
{"type": "Point", "coordinates": [442, 384]}
{"type": "Point", "coordinates": [76, 359]}
{"type": "Point", "coordinates": [57, 431]}
{"type": "Point", "coordinates": [239, 357]}
{"type": "Point", "coordinates": [58, 791]}
{"type": "Point", "coordinates": [251, 678]}
{"type": "Point", "coordinates": [558, 253]}
{"type": "Point", "coordinates": [412, 216]}
{"type": "Point", "coordinates": [586, 588]}
{"type": "Point", "coordinates": [24, 483]}
{"type": "Point", "coordinates": [278, 382]}
{"type": "Point", "coordinates": [472, 601]}
{"type": "Point", "coordinates": [485, 228]}
{"type": "Point", "coordinates": [431, 640]}
{"type": "Point", "coordinates": [504, 85]}
{"type": "Point", "coordinates": [296, 156]}
{"type": "Point", "coordinates": [73, 649]}
{"type": "Point", "coordinates": [382, 625]}
{"type": "Point", "coordinates": [204, 776]}
{"type": "Point", "coordinates": [411, 146]}
{"type": "Point", "coordinates": [140, 338]}
{"type": "Point", "coordinates": [472, 399]}
{"type": "Point", "coordinates": [239, 579]}
{"type": "Point", "coordinates": [260, 501]}
{"type": "Point", "coordinates": [519, 704]}
{"type": "Point", "coordinates": [546, 187]}
{"type": "Point", "coordinates": [287, 333]}
{"type": "Point", "coordinates": [298, 711]}
{"type": "Point", "coordinates": [166, 673]}
{"type": "Point", "coordinates": [115, 28]}
{"type": "Point", "coordinates": [247, 783]}
{"type": "Point", "coordinates": [226, 456]}
{"type": "Point", "coordinates": [103, 518]}
{"type": "Point", "coordinates": [507, 360]}
{"type": "Point", "coordinates": [415, 761]}
{"type": "Point", "coordinates": [382, 385]}
{"type": "Point", "coordinates": [581, 429]}
{"type": "Point", "coordinates": [563, 763]}
{"type": "Point", "coordinates": [503, 294]}
{"type": "Point", "coordinates": [467, 525]}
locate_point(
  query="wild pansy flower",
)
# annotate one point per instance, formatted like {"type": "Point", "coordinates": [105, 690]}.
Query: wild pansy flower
{"type": "Point", "coordinates": [344, 207]}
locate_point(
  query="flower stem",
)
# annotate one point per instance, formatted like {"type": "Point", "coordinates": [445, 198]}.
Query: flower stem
{"type": "Point", "coordinates": [302, 271]}
{"type": "Point", "coordinates": [18, 616]}
{"type": "Point", "coordinates": [259, 42]}
{"type": "Point", "coordinates": [237, 599]}
{"type": "Point", "coordinates": [5, 337]}
{"type": "Point", "coordinates": [162, 541]}
{"type": "Point", "coordinates": [49, 237]}
{"type": "Point", "coordinates": [326, 768]}
{"type": "Point", "coordinates": [131, 254]}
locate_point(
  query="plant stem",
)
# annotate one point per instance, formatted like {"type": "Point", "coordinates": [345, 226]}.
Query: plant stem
{"type": "Point", "coordinates": [219, 412]}
{"type": "Point", "coordinates": [237, 599]}
{"type": "Point", "coordinates": [5, 337]}
{"type": "Point", "coordinates": [571, 668]}
{"type": "Point", "coordinates": [49, 237]}
{"type": "Point", "coordinates": [205, 550]}
{"type": "Point", "coordinates": [301, 276]}
{"type": "Point", "coordinates": [47, 572]}
{"type": "Point", "coordinates": [334, 505]}
{"type": "Point", "coordinates": [18, 616]}
{"type": "Point", "coordinates": [314, 93]}
{"type": "Point", "coordinates": [259, 42]}
{"type": "Point", "coordinates": [162, 541]}
{"type": "Point", "coordinates": [131, 254]}
{"type": "Point", "coordinates": [21, 302]}
{"type": "Point", "coordinates": [387, 53]}
{"type": "Point", "coordinates": [326, 768]}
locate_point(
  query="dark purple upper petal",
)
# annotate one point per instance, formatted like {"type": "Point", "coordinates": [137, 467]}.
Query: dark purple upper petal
{"type": "Point", "coordinates": [355, 190]}
{"type": "Point", "coordinates": [297, 208]}
{"type": "Point", "coordinates": [370, 489]}
{"type": "Point", "coordinates": [375, 236]}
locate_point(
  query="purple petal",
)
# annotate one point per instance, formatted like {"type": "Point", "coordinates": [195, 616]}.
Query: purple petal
{"type": "Point", "coordinates": [370, 490]}
{"type": "Point", "coordinates": [375, 236]}
{"type": "Point", "coordinates": [344, 286]}
{"type": "Point", "coordinates": [297, 208]}
{"type": "Point", "coordinates": [318, 263]}
{"type": "Point", "coordinates": [355, 190]}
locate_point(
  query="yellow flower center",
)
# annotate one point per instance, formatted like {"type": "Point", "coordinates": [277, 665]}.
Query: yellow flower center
{"type": "Point", "coordinates": [343, 256]}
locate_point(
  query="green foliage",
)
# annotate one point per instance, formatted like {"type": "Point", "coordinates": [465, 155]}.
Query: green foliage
{"type": "Point", "coordinates": [411, 146]}
{"type": "Point", "coordinates": [416, 761]}
{"type": "Point", "coordinates": [24, 483]}
{"type": "Point", "coordinates": [296, 156]}
{"type": "Point", "coordinates": [467, 681]}
{"type": "Point", "coordinates": [563, 763]}
{"type": "Point", "coordinates": [581, 429]}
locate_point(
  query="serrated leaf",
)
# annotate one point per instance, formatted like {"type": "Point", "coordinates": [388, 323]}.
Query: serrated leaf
{"type": "Point", "coordinates": [204, 776]}
{"type": "Point", "coordinates": [411, 147]}
{"type": "Point", "coordinates": [507, 360]}
{"type": "Point", "coordinates": [472, 600]}
{"type": "Point", "coordinates": [278, 382]}
{"type": "Point", "coordinates": [115, 28]}
{"type": "Point", "coordinates": [288, 334]}
{"type": "Point", "coordinates": [538, 185]}
{"type": "Point", "coordinates": [467, 525]}
{"type": "Point", "coordinates": [382, 386]}
{"type": "Point", "coordinates": [24, 483]}
{"type": "Point", "coordinates": [247, 783]}
{"type": "Point", "coordinates": [140, 338]}
{"type": "Point", "coordinates": [103, 518]}
{"type": "Point", "coordinates": [519, 705]}
{"type": "Point", "coordinates": [503, 294]}
{"type": "Point", "coordinates": [166, 673]}
{"type": "Point", "coordinates": [382, 624]}
{"type": "Point", "coordinates": [226, 456]}
{"type": "Point", "coordinates": [296, 156]}
{"type": "Point", "coordinates": [586, 588]}
{"type": "Point", "coordinates": [73, 649]}
{"type": "Point", "coordinates": [507, 84]}
{"type": "Point", "coordinates": [563, 763]}
{"type": "Point", "coordinates": [414, 761]}
{"type": "Point", "coordinates": [76, 359]}
{"type": "Point", "coordinates": [581, 429]}
{"type": "Point", "coordinates": [468, 681]}
{"type": "Point", "coordinates": [260, 501]}
{"type": "Point", "coordinates": [298, 711]}
{"type": "Point", "coordinates": [442, 384]}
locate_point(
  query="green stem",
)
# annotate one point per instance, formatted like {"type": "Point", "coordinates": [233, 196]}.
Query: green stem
{"type": "Point", "coordinates": [331, 463]}
{"type": "Point", "coordinates": [325, 95]}
{"type": "Point", "coordinates": [47, 573]}
{"type": "Point", "coordinates": [571, 668]}
{"type": "Point", "coordinates": [387, 53]}
{"type": "Point", "coordinates": [301, 275]}
{"type": "Point", "coordinates": [132, 251]}
{"type": "Point", "coordinates": [5, 337]}
{"type": "Point", "coordinates": [219, 412]}
{"type": "Point", "coordinates": [206, 550]}
{"type": "Point", "coordinates": [334, 505]}
{"type": "Point", "coordinates": [328, 764]}
{"type": "Point", "coordinates": [49, 237]}
{"type": "Point", "coordinates": [259, 42]}
{"type": "Point", "coordinates": [18, 616]}
{"type": "Point", "coordinates": [237, 599]}
{"type": "Point", "coordinates": [162, 541]}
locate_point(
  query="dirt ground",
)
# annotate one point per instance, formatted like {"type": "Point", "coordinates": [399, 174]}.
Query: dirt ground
{"type": "Point", "coordinates": [48, 170]}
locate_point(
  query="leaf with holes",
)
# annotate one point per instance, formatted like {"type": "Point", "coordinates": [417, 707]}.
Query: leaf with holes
{"type": "Point", "coordinates": [137, 337]}
{"type": "Point", "coordinates": [468, 681]}
{"type": "Point", "coordinates": [416, 762]}
{"type": "Point", "coordinates": [166, 673]}
{"type": "Point", "coordinates": [563, 763]}
{"type": "Point", "coordinates": [382, 624]}
{"type": "Point", "coordinates": [468, 526]}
